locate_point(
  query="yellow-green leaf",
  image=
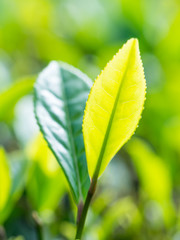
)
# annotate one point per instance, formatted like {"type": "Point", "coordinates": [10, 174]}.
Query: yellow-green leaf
{"type": "Point", "coordinates": [121, 211]}
{"type": "Point", "coordinates": [114, 107]}
{"type": "Point", "coordinates": [44, 175]}
{"type": "Point", "coordinates": [153, 174]}
{"type": "Point", "coordinates": [5, 180]}
{"type": "Point", "coordinates": [10, 96]}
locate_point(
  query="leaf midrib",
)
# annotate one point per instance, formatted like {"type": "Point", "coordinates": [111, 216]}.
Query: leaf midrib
{"type": "Point", "coordinates": [72, 144]}
{"type": "Point", "coordinates": [100, 158]}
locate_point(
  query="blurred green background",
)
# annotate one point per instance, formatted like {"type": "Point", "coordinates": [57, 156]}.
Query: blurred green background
{"type": "Point", "coordinates": [138, 196]}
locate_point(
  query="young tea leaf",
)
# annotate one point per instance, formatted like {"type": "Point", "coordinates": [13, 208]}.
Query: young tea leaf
{"type": "Point", "coordinates": [114, 107]}
{"type": "Point", "coordinates": [61, 92]}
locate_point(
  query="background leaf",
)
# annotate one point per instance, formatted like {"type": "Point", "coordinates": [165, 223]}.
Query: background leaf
{"type": "Point", "coordinates": [10, 96]}
{"type": "Point", "coordinates": [114, 107]}
{"type": "Point", "coordinates": [17, 172]}
{"type": "Point", "coordinates": [44, 175]}
{"type": "Point", "coordinates": [60, 95]}
{"type": "Point", "coordinates": [122, 214]}
{"type": "Point", "coordinates": [5, 180]}
{"type": "Point", "coordinates": [154, 176]}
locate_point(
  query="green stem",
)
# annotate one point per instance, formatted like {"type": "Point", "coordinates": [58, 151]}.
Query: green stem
{"type": "Point", "coordinates": [39, 232]}
{"type": "Point", "coordinates": [39, 227]}
{"type": "Point", "coordinates": [82, 218]}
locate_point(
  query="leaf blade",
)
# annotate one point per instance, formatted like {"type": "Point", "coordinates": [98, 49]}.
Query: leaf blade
{"type": "Point", "coordinates": [44, 175]}
{"type": "Point", "coordinates": [60, 95]}
{"type": "Point", "coordinates": [116, 98]}
{"type": "Point", "coordinates": [151, 168]}
{"type": "Point", "coordinates": [13, 94]}
{"type": "Point", "coordinates": [5, 180]}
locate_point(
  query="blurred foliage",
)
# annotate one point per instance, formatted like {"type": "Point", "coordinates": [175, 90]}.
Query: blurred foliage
{"type": "Point", "coordinates": [139, 195]}
{"type": "Point", "coordinates": [44, 175]}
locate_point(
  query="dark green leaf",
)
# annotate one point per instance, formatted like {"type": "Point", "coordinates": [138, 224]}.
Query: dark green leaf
{"type": "Point", "coordinates": [61, 92]}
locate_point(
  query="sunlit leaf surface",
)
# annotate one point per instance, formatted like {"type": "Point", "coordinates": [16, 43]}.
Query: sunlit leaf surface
{"type": "Point", "coordinates": [114, 107]}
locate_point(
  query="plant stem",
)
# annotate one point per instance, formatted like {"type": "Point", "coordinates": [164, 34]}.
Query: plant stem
{"type": "Point", "coordinates": [39, 227]}
{"type": "Point", "coordinates": [82, 218]}
{"type": "Point", "coordinates": [39, 232]}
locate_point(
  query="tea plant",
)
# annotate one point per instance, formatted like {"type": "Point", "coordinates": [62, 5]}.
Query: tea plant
{"type": "Point", "coordinates": [110, 118]}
